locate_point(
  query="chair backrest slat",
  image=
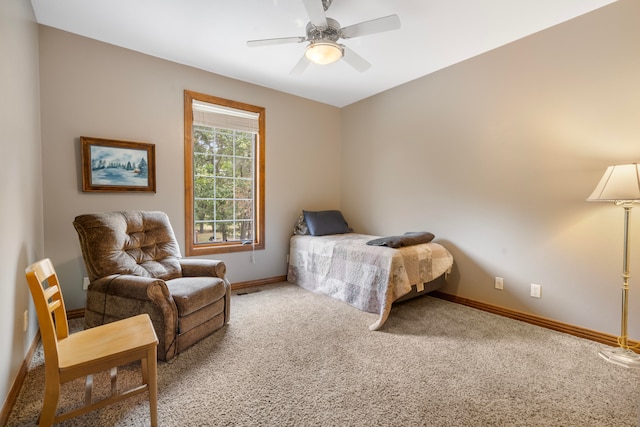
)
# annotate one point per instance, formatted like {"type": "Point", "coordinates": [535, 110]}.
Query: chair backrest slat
{"type": "Point", "coordinates": [50, 292]}
{"type": "Point", "coordinates": [53, 305]}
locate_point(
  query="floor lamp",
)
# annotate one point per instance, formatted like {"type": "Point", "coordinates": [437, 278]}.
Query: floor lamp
{"type": "Point", "coordinates": [620, 184]}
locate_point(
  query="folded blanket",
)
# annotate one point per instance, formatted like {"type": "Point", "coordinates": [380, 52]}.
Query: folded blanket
{"type": "Point", "coordinates": [407, 239]}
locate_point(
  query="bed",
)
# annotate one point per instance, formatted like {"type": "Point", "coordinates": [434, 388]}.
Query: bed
{"type": "Point", "coordinates": [368, 277]}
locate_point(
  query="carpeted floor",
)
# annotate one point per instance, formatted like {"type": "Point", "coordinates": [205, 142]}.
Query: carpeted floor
{"type": "Point", "coordinates": [293, 358]}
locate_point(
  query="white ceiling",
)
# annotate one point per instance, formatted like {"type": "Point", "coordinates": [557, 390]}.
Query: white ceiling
{"type": "Point", "coordinates": [212, 34]}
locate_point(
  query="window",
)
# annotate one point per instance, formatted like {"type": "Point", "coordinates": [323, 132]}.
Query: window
{"type": "Point", "coordinates": [224, 175]}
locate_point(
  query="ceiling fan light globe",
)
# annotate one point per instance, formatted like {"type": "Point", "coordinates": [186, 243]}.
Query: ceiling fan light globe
{"type": "Point", "coordinates": [323, 53]}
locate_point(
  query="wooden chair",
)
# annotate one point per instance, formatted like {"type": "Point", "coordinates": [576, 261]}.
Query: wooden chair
{"type": "Point", "coordinates": [70, 356]}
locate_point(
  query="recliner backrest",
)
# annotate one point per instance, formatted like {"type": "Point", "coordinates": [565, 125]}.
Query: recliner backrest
{"type": "Point", "coordinates": [141, 243]}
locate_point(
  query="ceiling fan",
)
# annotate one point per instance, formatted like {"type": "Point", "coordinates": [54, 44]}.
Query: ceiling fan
{"type": "Point", "coordinates": [323, 34]}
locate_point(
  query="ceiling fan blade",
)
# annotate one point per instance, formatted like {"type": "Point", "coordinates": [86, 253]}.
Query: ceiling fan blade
{"type": "Point", "coordinates": [315, 10]}
{"type": "Point", "coordinates": [355, 60]}
{"type": "Point", "coordinates": [281, 40]}
{"type": "Point", "coordinates": [300, 66]}
{"type": "Point", "coordinates": [386, 23]}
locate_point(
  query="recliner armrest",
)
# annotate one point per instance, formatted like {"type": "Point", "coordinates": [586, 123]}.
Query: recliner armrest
{"type": "Point", "coordinates": [194, 267]}
{"type": "Point", "coordinates": [150, 292]}
{"type": "Point", "coordinates": [129, 286]}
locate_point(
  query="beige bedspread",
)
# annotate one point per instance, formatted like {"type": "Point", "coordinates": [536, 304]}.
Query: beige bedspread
{"type": "Point", "coordinates": [369, 278]}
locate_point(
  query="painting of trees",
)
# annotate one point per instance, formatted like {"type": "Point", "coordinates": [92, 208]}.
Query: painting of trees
{"type": "Point", "coordinates": [111, 165]}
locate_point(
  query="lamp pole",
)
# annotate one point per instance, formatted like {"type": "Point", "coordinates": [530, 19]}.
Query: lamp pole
{"type": "Point", "coordinates": [622, 341]}
{"type": "Point", "coordinates": [624, 354]}
{"type": "Point", "coordinates": [621, 184]}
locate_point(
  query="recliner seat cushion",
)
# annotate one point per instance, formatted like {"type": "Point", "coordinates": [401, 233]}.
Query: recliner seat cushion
{"type": "Point", "coordinates": [193, 293]}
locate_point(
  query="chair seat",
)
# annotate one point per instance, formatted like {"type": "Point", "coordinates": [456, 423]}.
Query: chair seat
{"type": "Point", "coordinates": [111, 343]}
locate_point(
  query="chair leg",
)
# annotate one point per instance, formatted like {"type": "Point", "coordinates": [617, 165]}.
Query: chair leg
{"type": "Point", "coordinates": [88, 389]}
{"type": "Point", "coordinates": [114, 380]}
{"type": "Point", "coordinates": [150, 369]}
{"type": "Point", "coordinates": [50, 404]}
{"type": "Point", "coordinates": [145, 371]}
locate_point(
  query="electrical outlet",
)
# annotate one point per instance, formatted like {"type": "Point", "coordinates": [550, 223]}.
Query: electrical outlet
{"type": "Point", "coordinates": [498, 283]}
{"type": "Point", "coordinates": [85, 283]}
{"type": "Point", "coordinates": [25, 320]}
{"type": "Point", "coordinates": [536, 290]}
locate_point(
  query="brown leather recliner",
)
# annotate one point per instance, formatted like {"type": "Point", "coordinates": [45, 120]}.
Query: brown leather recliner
{"type": "Point", "coordinates": [134, 266]}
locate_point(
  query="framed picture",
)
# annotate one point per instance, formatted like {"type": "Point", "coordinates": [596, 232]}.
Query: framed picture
{"type": "Point", "coordinates": [112, 166]}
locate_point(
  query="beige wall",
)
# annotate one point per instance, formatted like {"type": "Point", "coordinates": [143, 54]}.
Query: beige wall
{"type": "Point", "coordinates": [496, 156]}
{"type": "Point", "coordinates": [21, 232]}
{"type": "Point", "coordinates": [94, 89]}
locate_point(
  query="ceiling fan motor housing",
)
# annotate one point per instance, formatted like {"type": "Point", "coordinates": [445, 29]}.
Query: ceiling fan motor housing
{"type": "Point", "coordinates": [329, 33]}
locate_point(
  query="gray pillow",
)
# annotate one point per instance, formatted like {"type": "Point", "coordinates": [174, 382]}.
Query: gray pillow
{"type": "Point", "coordinates": [407, 239]}
{"type": "Point", "coordinates": [321, 223]}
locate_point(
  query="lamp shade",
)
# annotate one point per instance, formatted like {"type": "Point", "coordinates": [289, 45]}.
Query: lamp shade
{"type": "Point", "coordinates": [619, 183]}
{"type": "Point", "coordinates": [323, 52]}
